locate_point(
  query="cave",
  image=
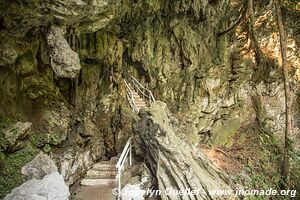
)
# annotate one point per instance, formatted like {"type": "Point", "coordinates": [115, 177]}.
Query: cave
{"type": "Point", "coordinates": [154, 100]}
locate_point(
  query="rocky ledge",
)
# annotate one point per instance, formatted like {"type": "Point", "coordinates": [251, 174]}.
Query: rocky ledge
{"type": "Point", "coordinates": [176, 164]}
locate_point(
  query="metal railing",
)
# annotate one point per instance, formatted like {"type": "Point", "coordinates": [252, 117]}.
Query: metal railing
{"type": "Point", "coordinates": [121, 163]}
{"type": "Point", "coordinates": [145, 93]}
{"type": "Point", "coordinates": [130, 97]}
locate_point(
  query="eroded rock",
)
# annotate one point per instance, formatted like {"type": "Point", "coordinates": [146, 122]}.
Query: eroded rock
{"type": "Point", "coordinates": [16, 133]}
{"type": "Point", "coordinates": [40, 166]}
{"type": "Point", "coordinates": [177, 165]}
{"type": "Point", "coordinates": [51, 187]}
{"type": "Point", "coordinates": [64, 61]}
{"type": "Point", "coordinates": [74, 164]}
{"type": "Point", "coordinates": [53, 127]}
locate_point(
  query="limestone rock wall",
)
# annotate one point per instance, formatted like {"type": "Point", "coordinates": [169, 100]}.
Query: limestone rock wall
{"type": "Point", "coordinates": [175, 163]}
{"type": "Point", "coordinates": [178, 49]}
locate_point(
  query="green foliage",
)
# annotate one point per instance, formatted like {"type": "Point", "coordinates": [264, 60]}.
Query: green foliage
{"type": "Point", "coordinates": [292, 6]}
{"type": "Point", "coordinates": [47, 148]}
{"type": "Point", "coordinates": [10, 167]}
{"type": "Point", "coordinates": [295, 170]}
{"type": "Point", "coordinates": [263, 164]}
{"type": "Point", "coordinates": [3, 143]}
{"type": "Point", "coordinates": [54, 139]}
{"type": "Point", "coordinates": [37, 139]}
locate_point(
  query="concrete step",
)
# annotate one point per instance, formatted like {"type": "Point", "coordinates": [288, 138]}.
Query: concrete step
{"type": "Point", "coordinates": [98, 182]}
{"type": "Point", "coordinates": [141, 104]}
{"type": "Point", "coordinates": [139, 99]}
{"type": "Point", "coordinates": [137, 96]}
{"type": "Point", "coordinates": [94, 193]}
{"type": "Point", "coordinates": [100, 176]}
{"type": "Point", "coordinates": [101, 173]}
{"type": "Point", "coordinates": [104, 166]}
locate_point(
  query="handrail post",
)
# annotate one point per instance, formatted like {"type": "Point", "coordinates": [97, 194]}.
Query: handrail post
{"type": "Point", "coordinates": [143, 92]}
{"type": "Point", "coordinates": [130, 155]}
{"type": "Point", "coordinates": [119, 182]}
{"type": "Point", "coordinates": [131, 98]}
{"type": "Point", "coordinates": [127, 152]}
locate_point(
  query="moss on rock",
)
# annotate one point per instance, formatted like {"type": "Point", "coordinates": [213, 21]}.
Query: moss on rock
{"type": "Point", "coordinates": [10, 167]}
{"type": "Point", "coordinates": [223, 132]}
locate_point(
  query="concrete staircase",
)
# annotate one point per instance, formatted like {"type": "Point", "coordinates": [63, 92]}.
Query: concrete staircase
{"type": "Point", "coordinates": [138, 96]}
{"type": "Point", "coordinates": [100, 181]}
{"type": "Point", "coordinates": [139, 101]}
{"type": "Point", "coordinates": [101, 174]}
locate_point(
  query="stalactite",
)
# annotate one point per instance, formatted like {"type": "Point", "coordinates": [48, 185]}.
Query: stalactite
{"type": "Point", "coordinates": [73, 91]}
{"type": "Point", "coordinates": [74, 41]}
{"type": "Point", "coordinates": [95, 41]}
{"type": "Point", "coordinates": [71, 41]}
{"type": "Point", "coordinates": [88, 40]}
{"type": "Point", "coordinates": [82, 44]}
{"type": "Point", "coordinates": [77, 43]}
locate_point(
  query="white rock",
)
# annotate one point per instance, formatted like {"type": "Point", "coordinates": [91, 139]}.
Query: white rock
{"type": "Point", "coordinates": [51, 187]}
{"type": "Point", "coordinates": [40, 166]}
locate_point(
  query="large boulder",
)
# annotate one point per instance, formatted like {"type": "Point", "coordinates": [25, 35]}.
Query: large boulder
{"type": "Point", "coordinates": [64, 61]}
{"type": "Point", "coordinates": [51, 187]}
{"type": "Point", "coordinates": [177, 165]}
{"type": "Point", "coordinates": [40, 166]}
{"type": "Point", "coordinates": [74, 163]}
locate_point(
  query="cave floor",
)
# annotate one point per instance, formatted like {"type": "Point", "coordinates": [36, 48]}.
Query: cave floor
{"type": "Point", "coordinates": [94, 193]}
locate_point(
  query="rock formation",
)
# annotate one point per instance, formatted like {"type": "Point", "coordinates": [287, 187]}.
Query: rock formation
{"type": "Point", "coordinates": [51, 187]}
{"type": "Point", "coordinates": [15, 134]}
{"type": "Point", "coordinates": [43, 181]}
{"type": "Point", "coordinates": [62, 65]}
{"type": "Point", "coordinates": [64, 61]}
{"type": "Point", "coordinates": [40, 166]}
{"type": "Point", "coordinates": [177, 165]}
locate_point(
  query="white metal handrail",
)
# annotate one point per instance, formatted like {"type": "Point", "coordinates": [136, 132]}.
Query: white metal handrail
{"type": "Point", "coordinates": [140, 88]}
{"type": "Point", "coordinates": [121, 163]}
{"type": "Point", "coordinates": [131, 98]}
{"type": "Point", "coordinates": [145, 93]}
